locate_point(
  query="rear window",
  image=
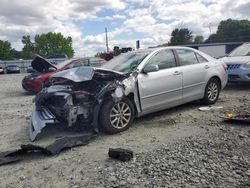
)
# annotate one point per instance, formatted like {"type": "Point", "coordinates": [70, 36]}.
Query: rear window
{"type": "Point", "coordinates": [201, 59]}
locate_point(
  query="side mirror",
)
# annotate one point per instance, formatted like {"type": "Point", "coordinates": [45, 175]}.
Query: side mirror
{"type": "Point", "coordinates": [150, 68]}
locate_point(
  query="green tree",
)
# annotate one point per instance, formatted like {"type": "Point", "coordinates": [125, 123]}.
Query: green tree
{"type": "Point", "coordinates": [198, 39]}
{"type": "Point", "coordinates": [181, 36]}
{"type": "Point", "coordinates": [116, 50]}
{"type": "Point", "coordinates": [5, 50]}
{"type": "Point", "coordinates": [29, 47]}
{"type": "Point", "coordinates": [48, 44]}
{"type": "Point", "coordinates": [14, 54]}
{"type": "Point", "coordinates": [231, 30]}
{"type": "Point", "coordinates": [99, 54]}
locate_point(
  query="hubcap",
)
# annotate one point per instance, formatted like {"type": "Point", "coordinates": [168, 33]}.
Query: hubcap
{"type": "Point", "coordinates": [120, 115]}
{"type": "Point", "coordinates": [212, 91]}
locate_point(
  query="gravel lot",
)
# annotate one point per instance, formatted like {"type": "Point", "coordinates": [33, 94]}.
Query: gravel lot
{"type": "Point", "coordinates": [180, 147]}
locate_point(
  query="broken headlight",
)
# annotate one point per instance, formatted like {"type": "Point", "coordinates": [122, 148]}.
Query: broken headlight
{"type": "Point", "coordinates": [82, 96]}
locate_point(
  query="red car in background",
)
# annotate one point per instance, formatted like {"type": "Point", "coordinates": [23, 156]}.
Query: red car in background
{"type": "Point", "coordinates": [44, 69]}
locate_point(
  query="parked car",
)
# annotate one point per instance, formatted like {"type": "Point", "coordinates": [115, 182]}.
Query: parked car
{"type": "Point", "coordinates": [44, 69]}
{"type": "Point", "coordinates": [1, 70]}
{"type": "Point", "coordinates": [238, 63]}
{"type": "Point", "coordinates": [130, 85]}
{"type": "Point", "coordinates": [12, 69]}
{"type": "Point", "coordinates": [30, 69]}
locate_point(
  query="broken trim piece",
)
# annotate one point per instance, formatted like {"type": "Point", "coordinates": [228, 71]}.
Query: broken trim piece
{"type": "Point", "coordinates": [39, 120]}
{"type": "Point", "coordinates": [51, 150]}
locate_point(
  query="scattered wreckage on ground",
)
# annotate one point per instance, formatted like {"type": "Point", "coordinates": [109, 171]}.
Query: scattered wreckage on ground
{"type": "Point", "coordinates": [131, 85]}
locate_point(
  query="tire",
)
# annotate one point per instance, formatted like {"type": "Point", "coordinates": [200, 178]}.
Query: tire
{"type": "Point", "coordinates": [116, 116]}
{"type": "Point", "coordinates": [212, 92]}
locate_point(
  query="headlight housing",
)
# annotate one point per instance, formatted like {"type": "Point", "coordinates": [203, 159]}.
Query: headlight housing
{"type": "Point", "coordinates": [247, 65]}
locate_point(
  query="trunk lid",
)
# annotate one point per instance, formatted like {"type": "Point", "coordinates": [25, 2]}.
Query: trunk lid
{"type": "Point", "coordinates": [42, 65]}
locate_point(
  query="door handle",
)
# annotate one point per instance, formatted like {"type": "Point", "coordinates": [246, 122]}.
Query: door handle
{"type": "Point", "coordinates": [177, 73]}
{"type": "Point", "coordinates": [207, 67]}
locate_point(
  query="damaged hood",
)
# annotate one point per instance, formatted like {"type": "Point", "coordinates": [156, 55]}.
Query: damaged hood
{"type": "Point", "coordinates": [41, 65]}
{"type": "Point", "coordinates": [81, 74]}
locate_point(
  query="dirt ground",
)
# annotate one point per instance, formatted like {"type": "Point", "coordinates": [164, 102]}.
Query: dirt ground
{"type": "Point", "coordinates": [82, 166]}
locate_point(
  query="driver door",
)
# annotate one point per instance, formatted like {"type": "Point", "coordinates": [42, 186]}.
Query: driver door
{"type": "Point", "coordinates": [163, 88]}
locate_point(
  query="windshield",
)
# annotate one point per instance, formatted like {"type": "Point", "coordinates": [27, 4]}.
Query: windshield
{"type": "Point", "coordinates": [62, 64]}
{"type": "Point", "coordinates": [126, 62]}
{"type": "Point", "coordinates": [243, 50]}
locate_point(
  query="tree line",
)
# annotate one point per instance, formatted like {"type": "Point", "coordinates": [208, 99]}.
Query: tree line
{"type": "Point", "coordinates": [49, 44]}
{"type": "Point", "coordinates": [228, 31]}
{"type": "Point", "coordinates": [46, 45]}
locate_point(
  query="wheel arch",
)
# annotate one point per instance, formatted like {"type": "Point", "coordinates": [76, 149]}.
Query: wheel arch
{"type": "Point", "coordinates": [218, 79]}
{"type": "Point", "coordinates": [130, 97]}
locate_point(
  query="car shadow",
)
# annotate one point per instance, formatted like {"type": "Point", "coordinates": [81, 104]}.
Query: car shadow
{"type": "Point", "coordinates": [231, 86]}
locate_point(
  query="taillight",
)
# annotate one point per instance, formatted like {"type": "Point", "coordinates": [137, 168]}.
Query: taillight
{"type": "Point", "coordinates": [224, 66]}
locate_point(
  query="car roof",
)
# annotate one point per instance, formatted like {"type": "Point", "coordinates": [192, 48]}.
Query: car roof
{"type": "Point", "coordinates": [76, 58]}
{"type": "Point", "coordinates": [161, 48]}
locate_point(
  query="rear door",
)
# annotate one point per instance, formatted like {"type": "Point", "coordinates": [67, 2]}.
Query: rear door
{"type": "Point", "coordinates": [163, 88]}
{"type": "Point", "coordinates": [194, 68]}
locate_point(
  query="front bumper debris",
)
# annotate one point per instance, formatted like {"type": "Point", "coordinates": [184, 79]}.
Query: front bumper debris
{"type": "Point", "coordinates": [40, 119]}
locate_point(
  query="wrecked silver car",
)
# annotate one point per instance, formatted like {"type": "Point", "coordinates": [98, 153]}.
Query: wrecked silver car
{"type": "Point", "coordinates": [130, 85]}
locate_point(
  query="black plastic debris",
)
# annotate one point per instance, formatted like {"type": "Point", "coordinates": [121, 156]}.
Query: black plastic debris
{"type": "Point", "coordinates": [8, 160]}
{"type": "Point", "coordinates": [120, 154]}
{"type": "Point", "coordinates": [50, 150]}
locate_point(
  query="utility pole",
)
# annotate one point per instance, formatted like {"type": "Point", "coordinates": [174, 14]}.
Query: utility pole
{"type": "Point", "coordinates": [209, 28]}
{"type": "Point", "coordinates": [106, 34]}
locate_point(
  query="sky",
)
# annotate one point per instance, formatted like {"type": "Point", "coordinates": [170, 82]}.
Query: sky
{"type": "Point", "coordinates": [150, 21]}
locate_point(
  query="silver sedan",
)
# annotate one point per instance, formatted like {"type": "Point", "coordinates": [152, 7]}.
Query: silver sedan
{"type": "Point", "coordinates": [131, 85]}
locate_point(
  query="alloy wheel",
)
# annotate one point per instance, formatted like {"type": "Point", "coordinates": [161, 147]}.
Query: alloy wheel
{"type": "Point", "coordinates": [120, 115]}
{"type": "Point", "coordinates": [212, 91]}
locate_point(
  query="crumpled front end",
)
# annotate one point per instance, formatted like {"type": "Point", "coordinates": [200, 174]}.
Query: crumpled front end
{"type": "Point", "coordinates": [62, 104]}
{"type": "Point", "coordinates": [70, 101]}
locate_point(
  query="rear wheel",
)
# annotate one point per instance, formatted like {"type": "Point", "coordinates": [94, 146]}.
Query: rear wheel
{"type": "Point", "coordinates": [212, 92]}
{"type": "Point", "coordinates": [117, 116]}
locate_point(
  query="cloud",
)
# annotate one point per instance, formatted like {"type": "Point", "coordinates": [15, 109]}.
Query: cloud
{"type": "Point", "coordinates": [150, 21]}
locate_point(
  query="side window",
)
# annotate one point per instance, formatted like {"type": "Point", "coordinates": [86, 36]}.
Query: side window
{"type": "Point", "coordinates": [201, 59]}
{"type": "Point", "coordinates": [85, 62]}
{"type": "Point", "coordinates": [78, 64]}
{"type": "Point", "coordinates": [186, 57]}
{"type": "Point", "coordinates": [164, 59]}
{"type": "Point", "coordinates": [95, 62]}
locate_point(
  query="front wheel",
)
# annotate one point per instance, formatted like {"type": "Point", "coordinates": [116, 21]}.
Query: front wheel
{"type": "Point", "coordinates": [212, 92]}
{"type": "Point", "coordinates": [116, 116]}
